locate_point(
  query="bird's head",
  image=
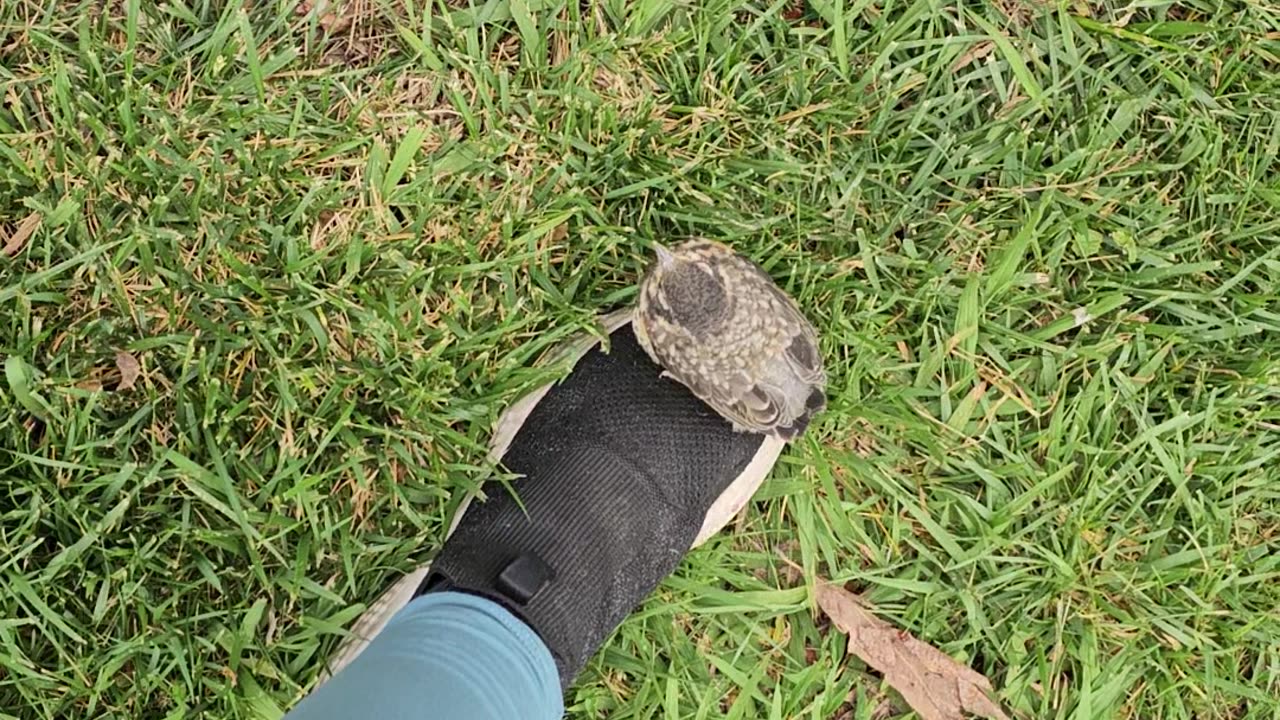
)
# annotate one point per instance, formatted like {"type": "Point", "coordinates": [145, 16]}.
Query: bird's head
{"type": "Point", "coordinates": [684, 287]}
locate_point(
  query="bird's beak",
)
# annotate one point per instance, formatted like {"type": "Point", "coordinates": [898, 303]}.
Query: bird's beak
{"type": "Point", "coordinates": [665, 258]}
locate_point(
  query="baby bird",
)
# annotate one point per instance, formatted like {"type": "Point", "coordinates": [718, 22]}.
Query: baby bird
{"type": "Point", "coordinates": [720, 326]}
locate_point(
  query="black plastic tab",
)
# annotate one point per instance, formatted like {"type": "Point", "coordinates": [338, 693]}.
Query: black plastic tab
{"type": "Point", "coordinates": [524, 578]}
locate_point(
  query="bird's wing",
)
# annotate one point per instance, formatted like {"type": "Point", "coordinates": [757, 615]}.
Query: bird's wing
{"type": "Point", "coordinates": [748, 400]}
{"type": "Point", "coordinates": [776, 399]}
{"type": "Point", "coordinates": [730, 393]}
{"type": "Point", "coordinates": [641, 331]}
{"type": "Point", "coordinates": [754, 407]}
{"type": "Point", "coordinates": [803, 356]}
{"type": "Point", "coordinates": [801, 350]}
{"type": "Point", "coordinates": [788, 387]}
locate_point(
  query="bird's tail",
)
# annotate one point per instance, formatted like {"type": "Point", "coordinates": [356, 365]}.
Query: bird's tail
{"type": "Point", "coordinates": [815, 403]}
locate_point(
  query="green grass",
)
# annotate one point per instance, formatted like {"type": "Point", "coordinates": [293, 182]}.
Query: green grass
{"type": "Point", "coordinates": [1041, 242]}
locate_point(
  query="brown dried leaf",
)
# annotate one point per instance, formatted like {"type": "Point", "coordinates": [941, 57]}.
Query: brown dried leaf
{"type": "Point", "coordinates": [934, 685]}
{"type": "Point", "coordinates": [1022, 12]}
{"type": "Point", "coordinates": [329, 17]}
{"type": "Point", "coordinates": [19, 238]}
{"type": "Point", "coordinates": [356, 31]}
{"type": "Point", "coordinates": [129, 369]}
{"type": "Point", "coordinates": [977, 52]}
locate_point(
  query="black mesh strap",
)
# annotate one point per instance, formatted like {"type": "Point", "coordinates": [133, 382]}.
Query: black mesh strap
{"type": "Point", "coordinates": [618, 470]}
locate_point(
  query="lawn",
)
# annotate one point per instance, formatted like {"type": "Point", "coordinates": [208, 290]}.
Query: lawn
{"type": "Point", "coordinates": [268, 276]}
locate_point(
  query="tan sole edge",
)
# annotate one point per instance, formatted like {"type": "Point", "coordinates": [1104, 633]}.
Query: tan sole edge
{"type": "Point", "coordinates": [723, 510]}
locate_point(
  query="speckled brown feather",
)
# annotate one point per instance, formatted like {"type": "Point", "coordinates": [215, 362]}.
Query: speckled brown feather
{"type": "Point", "coordinates": [717, 323]}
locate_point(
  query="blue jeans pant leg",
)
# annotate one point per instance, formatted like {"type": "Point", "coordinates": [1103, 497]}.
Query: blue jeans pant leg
{"type": "Point", "coordinates": [445, 656]}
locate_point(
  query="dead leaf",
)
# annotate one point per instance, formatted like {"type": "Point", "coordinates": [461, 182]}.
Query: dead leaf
{"type": "Point", "coordinates": [19, 238]}
{"type": "Point", "coordinates": [977, 52]}
{"type": "Point", "coordinates": [129, 369]}
{"type": "Point", "coordinates": [934, 685]}
{"type": "Point", "coordinates": [356, 30]}
{"type": "Point", "coordinates": [1022, 12]}
{"type": "Point", "coordinates": [328, 17]}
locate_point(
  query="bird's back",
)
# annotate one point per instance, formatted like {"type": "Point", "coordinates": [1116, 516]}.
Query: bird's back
{"type": "Point", "coordinates": [760, 369]}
